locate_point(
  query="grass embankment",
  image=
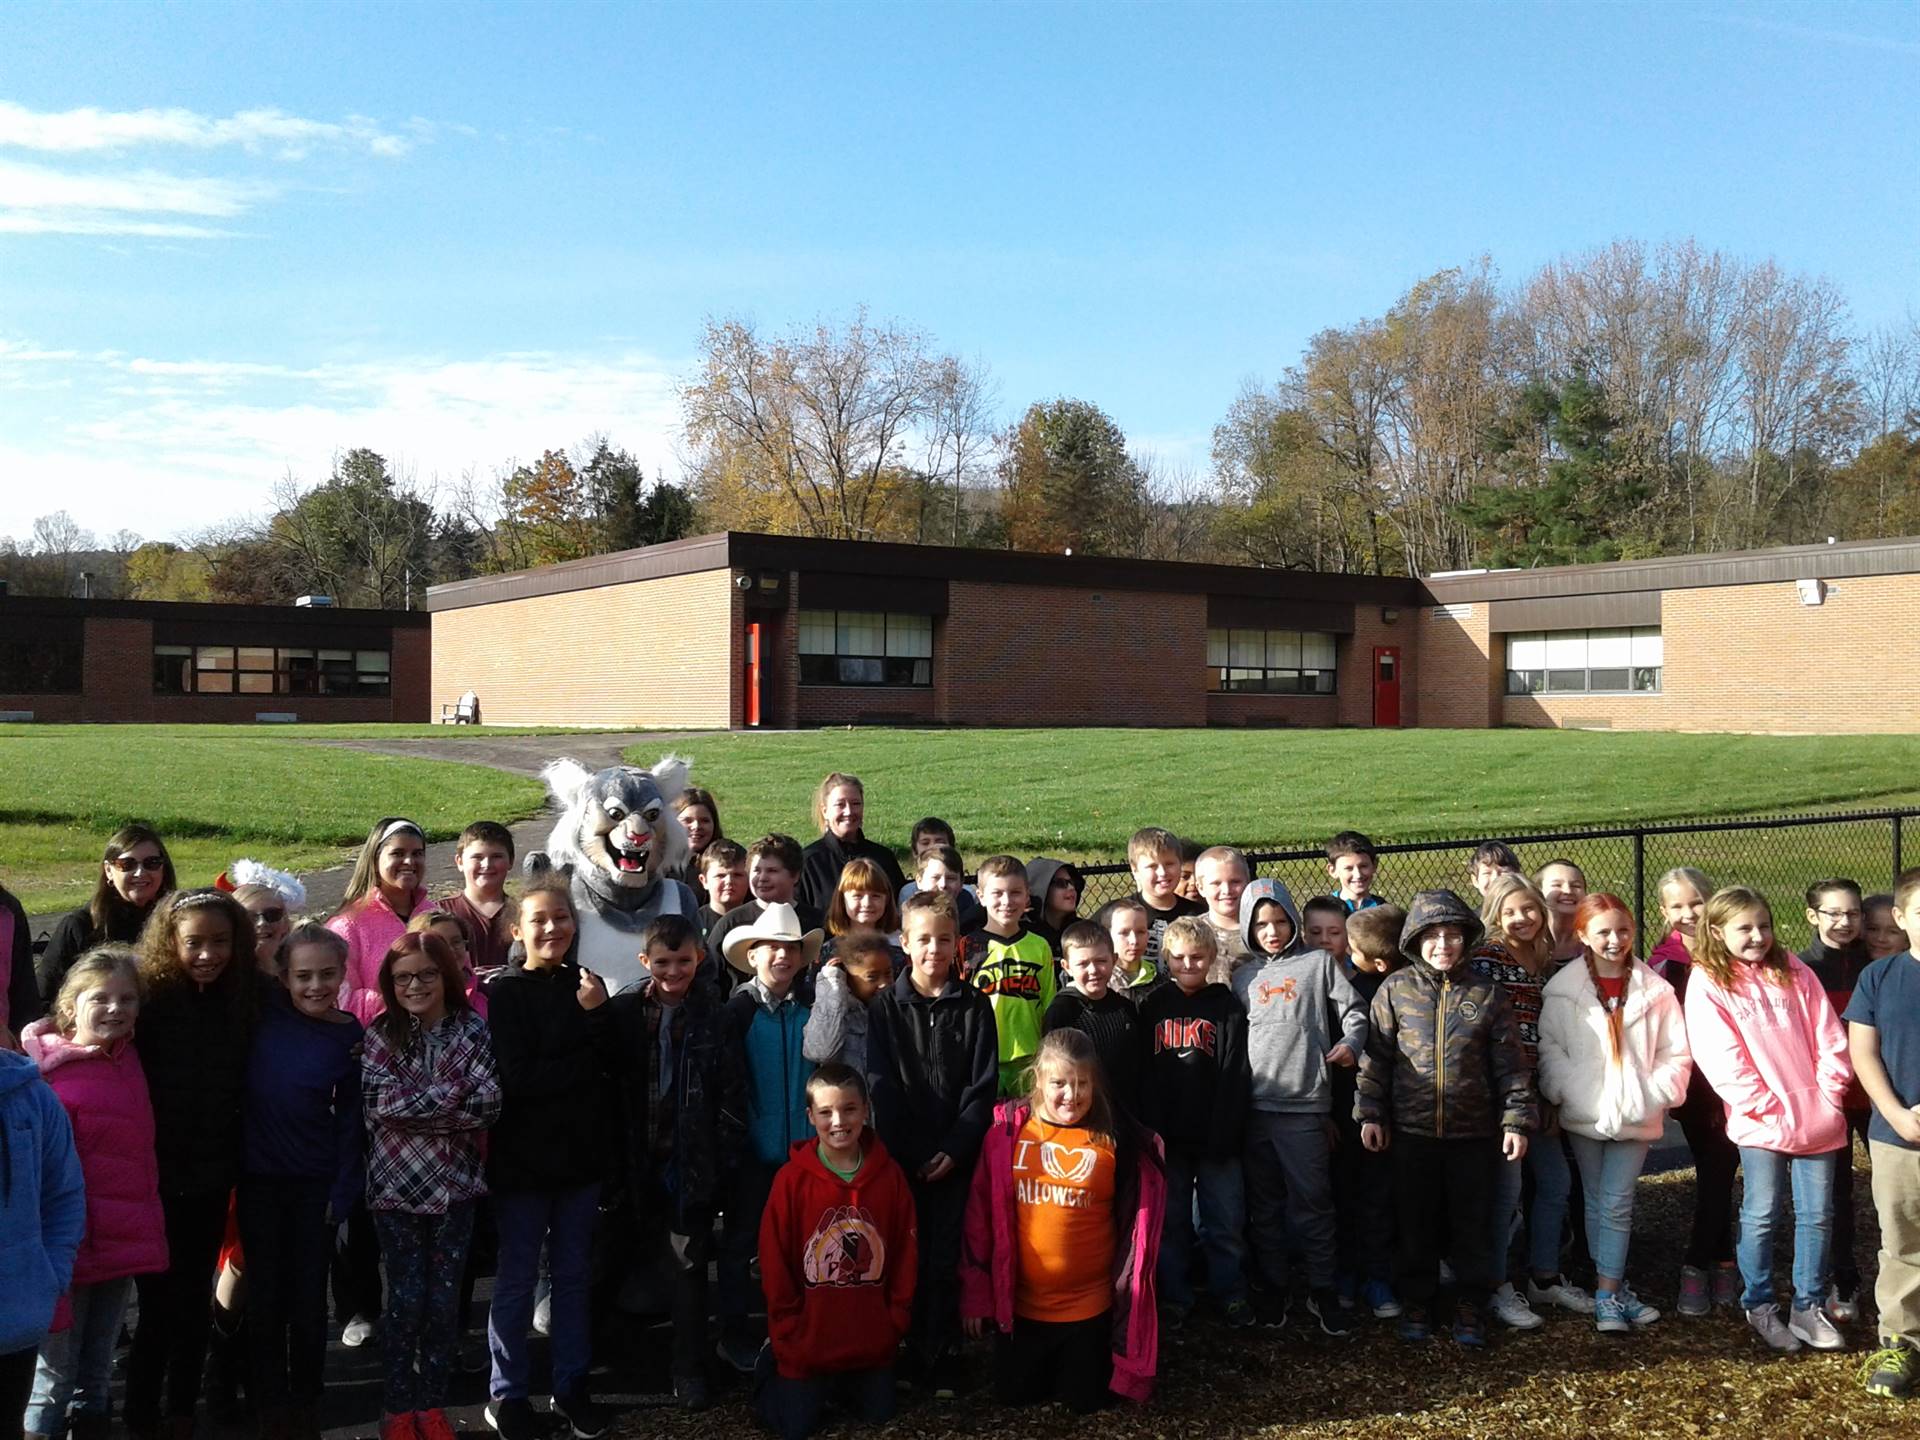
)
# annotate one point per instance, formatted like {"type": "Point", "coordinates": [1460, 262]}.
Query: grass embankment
{"type": "Point", "coordinates": [216, 794]}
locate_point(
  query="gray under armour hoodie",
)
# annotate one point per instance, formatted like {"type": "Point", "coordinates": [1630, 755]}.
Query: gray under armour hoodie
{"type": "Point", "coordinates": [1299, 1006]}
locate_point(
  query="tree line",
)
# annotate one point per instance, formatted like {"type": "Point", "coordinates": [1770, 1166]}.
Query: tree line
{"type": "Point", "coordinates": [1626, 402]}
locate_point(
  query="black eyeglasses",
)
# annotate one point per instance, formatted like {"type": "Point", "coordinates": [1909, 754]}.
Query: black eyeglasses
{"type": "Point", "coordinates": [127, 865]}
{"type": "Point", "coordinates": [271, 915]}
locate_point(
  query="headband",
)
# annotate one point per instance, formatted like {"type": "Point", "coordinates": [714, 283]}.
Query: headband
{"type": "Point", "coordinates": [395, 827]}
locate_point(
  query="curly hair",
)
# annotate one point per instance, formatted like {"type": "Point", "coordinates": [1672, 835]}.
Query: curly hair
{"type": "Point", "coordinates": [161, 965]}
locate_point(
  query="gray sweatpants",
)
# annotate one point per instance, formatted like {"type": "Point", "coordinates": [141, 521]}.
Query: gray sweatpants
{"type": "Point", "coordinates": [1289, 1192]}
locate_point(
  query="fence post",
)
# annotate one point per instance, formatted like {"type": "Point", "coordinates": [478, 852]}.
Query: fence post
{"type": "Point", "coordinates": [1897, 867]}
{"type": "Point", "coordinates": [1639, 890]}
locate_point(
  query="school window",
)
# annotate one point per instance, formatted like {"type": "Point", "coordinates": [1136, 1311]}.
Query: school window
{"type": "Point", "coordinates": [1589, 662]}
{"type": "Point", "coordinates": [39, 667]}
{"type": "Point", "coordinates": [269, 670]}
{"type": "Point", "coordinates": [1273, 662]}
{"type": "Point", "coordinates": [865, 647]}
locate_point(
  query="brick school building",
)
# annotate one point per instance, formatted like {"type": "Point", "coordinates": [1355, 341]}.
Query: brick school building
{"type": "Point", "coordinates": [742, 630]}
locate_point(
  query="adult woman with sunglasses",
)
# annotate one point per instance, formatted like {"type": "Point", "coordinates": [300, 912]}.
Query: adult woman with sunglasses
{"type": "Point", "coordinates": [136, 873]}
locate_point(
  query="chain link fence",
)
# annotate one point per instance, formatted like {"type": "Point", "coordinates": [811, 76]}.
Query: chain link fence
{"type": "Point", "coordinates": [1778, 856]}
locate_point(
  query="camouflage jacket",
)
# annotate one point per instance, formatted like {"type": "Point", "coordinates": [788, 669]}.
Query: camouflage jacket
{"type": "Point", "coordinates": [1443, 1058]}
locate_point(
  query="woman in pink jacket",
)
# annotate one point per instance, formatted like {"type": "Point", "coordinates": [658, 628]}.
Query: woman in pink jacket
{"type": "Point", "coordinates": [85, 1053]}
{"type": "Point", "coordinates": [1766, 1038]}
{"type": "Point", "coordinates": [381, 896]}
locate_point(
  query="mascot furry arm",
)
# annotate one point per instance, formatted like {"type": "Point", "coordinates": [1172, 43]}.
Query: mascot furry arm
{"type": "Point", "coordinates": [616, 841]}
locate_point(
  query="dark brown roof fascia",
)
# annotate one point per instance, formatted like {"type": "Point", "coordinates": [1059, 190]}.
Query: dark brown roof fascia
{"type": "Point", "coordinates": [653, 562]}
{"type": "Point", "coordinates": [1685, 572]}
{"type": "Point", "coordinates": [34, 607]}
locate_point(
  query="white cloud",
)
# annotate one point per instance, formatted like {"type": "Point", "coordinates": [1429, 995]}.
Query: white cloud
{"type": "Point", "coordinates": [167, 447]}
{"type": "Point", "coordinates": [38, 188]}
{"type": "Point", "coordinates": [290, 136]}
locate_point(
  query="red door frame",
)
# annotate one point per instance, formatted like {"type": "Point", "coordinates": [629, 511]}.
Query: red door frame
{"type": "Point", "coordinates": [753, 673]}
{"type": "Point", "coordinates": [1386, 686]}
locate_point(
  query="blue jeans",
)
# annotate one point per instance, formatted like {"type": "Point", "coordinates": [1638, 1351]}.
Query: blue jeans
{"type": "Point", "coordinates": [1546, 1163]}
{"type": "Point", "coordinates": [76, 1364]}
{"type": "Point", "coordinates": [563, 1220]}
{"type": "Point", "coordinates": [1609, 1170]}
{"type": "Point", "coordinates": [1768, 1174]}
{"type": "Point", "coordinates": [1223, 1220]}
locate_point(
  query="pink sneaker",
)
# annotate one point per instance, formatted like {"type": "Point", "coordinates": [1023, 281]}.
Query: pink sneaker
{"type": "Point", "coordinates": [1696, 1291]}
{"type": "Point", "coordinates": [1728, 1287]}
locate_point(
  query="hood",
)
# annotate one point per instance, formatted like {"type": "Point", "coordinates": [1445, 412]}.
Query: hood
{"type": "Point", "coordinates": [1040, 874]}
{"type": "Point", "coordinates": [1257, 893]}
{"type": "Point", "coordinates": [807, 1152]}
{"type": "Point", "coordinates": [1436, 907]}
{"type": "Point", "coordinates": [16, 1070]}
{"type": "Point", "coordinates": [49, 1049]}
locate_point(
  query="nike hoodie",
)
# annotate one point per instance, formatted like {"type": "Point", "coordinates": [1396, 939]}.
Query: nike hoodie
{"type": "Point", "coordinates": [838, 1260]}
{"type": "Point", "coordinates": [1299, 1005]}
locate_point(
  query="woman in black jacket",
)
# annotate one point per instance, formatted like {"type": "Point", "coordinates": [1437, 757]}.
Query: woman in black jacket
{"type": "Point", "coordinates": [838, 808]}
{"type": "Point", "coordinates": [136, 873]}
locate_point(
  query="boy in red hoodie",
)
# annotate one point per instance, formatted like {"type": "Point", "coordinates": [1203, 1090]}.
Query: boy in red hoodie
{"type": "Point", "coordinates": [837, 1264]}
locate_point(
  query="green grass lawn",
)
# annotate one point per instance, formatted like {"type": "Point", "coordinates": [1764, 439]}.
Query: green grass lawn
{"type": "Point", "coordinates": [217, 793]}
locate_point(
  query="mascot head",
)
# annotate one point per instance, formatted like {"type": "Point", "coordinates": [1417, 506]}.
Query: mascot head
{"type": "Point", "coordinates": [617, 825]}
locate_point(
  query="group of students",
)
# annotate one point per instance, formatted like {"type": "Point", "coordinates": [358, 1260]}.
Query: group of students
{"type": "Point", "coordinates": [894, 1111]}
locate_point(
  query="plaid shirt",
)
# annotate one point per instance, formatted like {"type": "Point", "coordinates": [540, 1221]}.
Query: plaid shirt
{"type": "Point", "coordinates": [426, 1108]}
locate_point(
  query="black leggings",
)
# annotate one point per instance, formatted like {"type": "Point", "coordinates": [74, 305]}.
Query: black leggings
{"type": "Point", "coordinates": [1715, 1161]}
{"type": "Point", "coordinates": [16, 1388]}
{"type": "Point", "coordinates": [1846, 1258]}
{"type": "Point", "coordinates": [176, 1309]}
{"type": "Point", "coordinates": [1041, 1360]}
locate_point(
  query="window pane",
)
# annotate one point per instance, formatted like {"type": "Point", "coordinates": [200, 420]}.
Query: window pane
{"type": "Point", "coordinates": [1646, 677]}
{"type": "Point", "coordinates": [923, 672]}
{"type": "Point", "coordinates": [255, 657]}
{"type": "Point", "coordinates": [370, 662]}
{"type": "Point", "coordinates": [1567, 650]}
{"type": "Point", "coordinates": [1283, 649]}
{"type": "Point", "coordinates": [1609, 649]}
{"type": "Point", "coordinates": [213, 682]}
{"type": "Point", "coordinates": [329, 655]}
{"type": "Point", "coordinates": [1516, 682]}
{"type": "Point", "coordinates": [817, 670]}
{"type": "Point", "coordinates": [172, 669]}
{"type": "Point", "coordinates": [1247, 648]}
{"type": "Point", "coordinates": [1531, 681]}
{"type": "Point", "coordinates": [858, 670]}
{"type": "Point", "coordinates": [1527, 652]}
{"type": "Point", "coordinates": [1319, 682]}
{"type": "Point", "coordinates": [1316, 652]}
{"type": "Point", "coordinates": [910, 635]}
{"type": "Point", "coordinates": [213, 657]}
{"type": "Point", "coordinates": [862, 632]}
{"type": "Point", "coordinates": [1566, 679]}
{"type": "Point", "coordinates": [816, 632]}
{"type": "Point", "coordinates": [1647, 648]}
{"type": "Point", "coordinates": [1607, 679]}
{"type": "Point", "coordinates": [256, 682]}
{"type": "Point", "coordinates": [1284, 682]}
{"type": "Point", "coordinates": [303, 672]}
{"type": "Point", "coordinates": [1246, 679]}
{"type": "Point", "coordinates": [372, 684]}
{"type": "Point", "coordinates": [1216, 648]}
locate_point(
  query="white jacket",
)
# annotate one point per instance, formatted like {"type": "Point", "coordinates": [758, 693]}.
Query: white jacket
{"type": "Point", "coordinates": [1598, 1098]}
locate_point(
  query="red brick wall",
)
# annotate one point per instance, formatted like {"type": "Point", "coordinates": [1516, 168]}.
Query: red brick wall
{"type": "Point", "coordinates": [1048, 655]}
{"type": "Point", "coordinates": [65, 709]}
{"type": "Point", "coordinates": [1225, 708]}
{"type": "Point", "coordinates": [1456, 681]}
{"type": "Point", "coordinates": [411, 659]}
{"type": "Point", "coordinates": [864, 705]}
{"type": "Point", "coordinates": [117, 671]}
{"type": "Point", "coordinates": [1356, 663]}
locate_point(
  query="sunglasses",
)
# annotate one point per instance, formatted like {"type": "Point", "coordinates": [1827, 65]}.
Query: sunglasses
{"type": "Point", "coordinates": [127, 865]}
{"type": "Point", "coordinates": [271, 914]}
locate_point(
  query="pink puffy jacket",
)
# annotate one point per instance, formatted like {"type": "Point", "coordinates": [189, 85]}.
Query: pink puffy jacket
{"type": "Point", "coordinates": [1776, 1054]}
{"type": "Point", "coordinates": [369, 928]}
{"type": "Point", "coordinates": [105, 1095]}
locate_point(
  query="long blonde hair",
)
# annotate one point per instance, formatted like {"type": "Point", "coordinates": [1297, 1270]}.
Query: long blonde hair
{"type": "Point", "coordinates": [1711, 953]}
{"type": "Point", "coordinates": [366, 866]}
{"type": "Point", "coordinates": [1533, 955]}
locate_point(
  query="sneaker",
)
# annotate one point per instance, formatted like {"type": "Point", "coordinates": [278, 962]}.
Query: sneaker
{"type": "Point", "coordinates": [1889, 1371]}
{"type": "Point", "coordinates": [690, 1392]}
{"type": "Point", "coordinates": [740, 1352]}
{"type": "Point", "coordinates": [1380, 1299]}
{"type": "Point", "coordinates": [1446, 1273]}
{"type": "Point", "coordinates": [472, 1358]}
{"type": "Point", "coordinates": [1638, 1312]}
{"type": "Point", "coordinates": [581, 1414]}
{"type": "Point", "coordinates": [1618, 1311]}
{"type": "Point", "coordinates": [1728, 1287]}
{"type": "Point", "coordinates": [513, 1419]}
{"type": "Point", "coordinates": [1414, 1325]}
{"type": "Point", "coordinates": [1812, 1325]}
{"type": "Point", "coordinates": [1238, 1315]}
{"type": "Point", "coordinates": [1469, 1326]}
{"type": "Point", "coordinates": [543, 1316]}
{"type": "Point", "coordinates": [433, 1425]}
{"type": "Point", "coordinates": [1346, 1291]}
{"type": "Point", "coordinates": [1843, 1306]}
{"type": "Point", "coordinates": [946, 1377]}
{"type": "Point", "coordinates": [1269, 1309]}
{"type": "Point", "coordinates": [1767, 1324]}
{"type": "Point", "coordinates": [400, 1427]}
{"type": "Point", "coordinates": [1696, 1291]}
{"type": "Point", "coordinates": [1513, 1312]}
{"type": "Point", "coordinates": [1559, 1291]}
{"type": "Point", "coordinates": [357, 1331]}
{"type": "Point", "coordinates": [1325, 1307]}
{"type": "Point", "coordinates": [1173, 1317]}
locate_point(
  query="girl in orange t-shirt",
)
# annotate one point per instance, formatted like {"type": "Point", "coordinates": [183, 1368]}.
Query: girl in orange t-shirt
{"type": "Point", "coordinates": [1052, 1246]}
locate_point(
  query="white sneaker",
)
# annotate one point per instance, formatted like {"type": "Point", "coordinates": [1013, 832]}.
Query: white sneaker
{"type": "Point", "coordinates": [1446, 1273]}
{"type": "Point", "coordinates": [1767, 1324]}
{"type": "Point", "coordinates": [1561, 1292]}
{"type": "Point", "coordinates": [1843, 1308]}
{"type": "Point", "coordinates": [357, 1332]}
{"type": "Point", "coordinates": [1816, 1329]}
{"type": "Point", "coordinates": [1513, 1312]}
{"type": "Point", "coordinates": [543, 1317]}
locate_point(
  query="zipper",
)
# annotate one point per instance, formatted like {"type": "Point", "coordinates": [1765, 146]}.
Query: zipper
{"type": "Point", "coordinates": [1440, 1057]}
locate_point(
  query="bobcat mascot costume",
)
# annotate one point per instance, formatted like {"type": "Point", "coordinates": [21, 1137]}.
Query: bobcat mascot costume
{"type": "Point", "coordinates": [617, 841]}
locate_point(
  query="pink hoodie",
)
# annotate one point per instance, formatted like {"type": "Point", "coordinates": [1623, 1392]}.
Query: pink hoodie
{"type": "Point", "coordinates": [104, 1092]}
{"type": "Point", "coordinates": [988, 1251]}
{"type": "Point", "coordinates": [369, 928]}
{"type": "Point", "coordinates": [1776, 1054]}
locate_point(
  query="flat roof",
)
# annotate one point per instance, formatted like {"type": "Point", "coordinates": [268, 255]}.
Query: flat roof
{"type": "Point", "coordinates": [1839, 561]}
{"type": "Point", "coordinates": [47, 607]}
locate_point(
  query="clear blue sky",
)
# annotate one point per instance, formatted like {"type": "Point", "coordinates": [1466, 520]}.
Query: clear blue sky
{"type": "Point", "coordinates": [464, 233]}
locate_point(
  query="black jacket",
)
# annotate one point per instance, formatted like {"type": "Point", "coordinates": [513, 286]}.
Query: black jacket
{"type": "Point", "coordinates": [1119, 1037]}
{"type": "Point", "coordinates": [553, 1059]}
{"type": "Point", "coordinates": [684, 1171]}
{"type": "Point", "coordinates": [1197, 1087]}
{"type": "Point", "coordinates": [193, 1046]}
{"type": "Point", "coordinates": [1836, 970]}
{"type": "Point", "coordinates": [933, 1066]}
{"type": "Point", "coordinates": [823, 860]}
{"type": "Point", "coordinates": [74, 933]}
{"type": "Point", "coordinates": [23, 986]}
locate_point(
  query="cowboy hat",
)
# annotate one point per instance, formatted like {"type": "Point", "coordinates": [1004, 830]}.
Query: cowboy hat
{"type": "Point", "coordinates": [777, 921]}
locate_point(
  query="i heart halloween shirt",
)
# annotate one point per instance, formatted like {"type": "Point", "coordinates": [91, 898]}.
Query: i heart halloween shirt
{"type": "Point", "coordinates": [1063, 1186]}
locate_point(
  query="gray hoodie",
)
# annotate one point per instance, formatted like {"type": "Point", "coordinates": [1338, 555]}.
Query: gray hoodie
{"type": "Point", "coordinates": [1300, 1004]}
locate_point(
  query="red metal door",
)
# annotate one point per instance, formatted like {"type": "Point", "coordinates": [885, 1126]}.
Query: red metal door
{"type": "Point", "coordinates": [1386, 686]}
{"type": "Point", "coordinates": [753, 673]}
